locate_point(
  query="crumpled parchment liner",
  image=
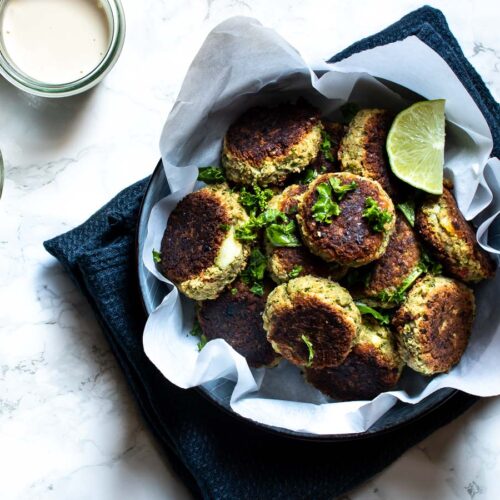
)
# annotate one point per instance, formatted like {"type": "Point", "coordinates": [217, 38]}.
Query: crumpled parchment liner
{"type": "Point", "coordinates": [243, 64]}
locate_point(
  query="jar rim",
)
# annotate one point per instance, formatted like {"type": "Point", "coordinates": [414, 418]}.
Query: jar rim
{"type": "Point", "coordinates": [24, 82]}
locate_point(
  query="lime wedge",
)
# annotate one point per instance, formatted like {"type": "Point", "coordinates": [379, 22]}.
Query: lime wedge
{"type": "Point", "coordinates": [415, 145]}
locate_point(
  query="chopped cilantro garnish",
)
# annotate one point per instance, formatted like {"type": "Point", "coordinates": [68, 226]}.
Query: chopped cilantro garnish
{"type": "Point", "coordinates": [234, 291]}
{"type": "Point", "coordinates": [308, 176]}
{"type": "Point", "coordinates": [211, 175]}
{"type": "Point", "coordinates": [283, 235]}
{"type": "Point", "coordinates": [377, 217]}
{"type": "Point", "coordinates": [196, 331]}
{"type": "Point", "coordinates": [249, 231]}
{"type": "Point", "coordinates": [325, 208]}
{"type": "Point", "coordinates": [428, 264]}
{"type": "Point", "coordinates": [156, 256]}
{"type": "Point", "coordinates": [399, 295]}
{"type": "Point", "coordinates": [326, 146]}
{"type": "Point", "coordinates": [254, 273]}
{"type": "Point", "coordinates": [295, 272]}
{"type": "Point", "coordinates": [310, 349]}
{"type": "Point", "coordinates": [341, 190]}
{"type": "Point", "coordinates": [257, 289]}
{"type": "Point", "coordinates": [383, 319]}
{"type": "Point", "coordinates": [255, 202]}
{"type": "Point", "coordinates": [408, 210]}
{"type": "Point", "coordinates": [202, 343]}
{"type": "Point", "coordinates": [225, 227]}
{"type": "Point", "coordinates": [349, 111]}
{"type": "Point", "coordinates": [272, 215]}
{"type": "Point", "coordinates": [280, 231]}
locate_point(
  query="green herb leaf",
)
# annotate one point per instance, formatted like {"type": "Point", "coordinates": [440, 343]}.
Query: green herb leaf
{"type": "Point", "coordinates": [225, 227]}
{"type": "Point", "coordinates": [257, 289]}
{"type": "Point", "coordinates": [308, 176]}
{"type": "Point", "coordinates": [377, 218]}
{"type": "Point", "coordinates": [349, 111]}
{"type": "Point", "coordinates": [398, 296]}
{"type": "Point", "coordinates": [283, 235]}
{"type": "Point", "coordinates": [310, 349]}
{"type": "Point", "coordinates": [383, 319]}
{"type": "Point", "coordinates": [272, 215]}
{"type": "Point", "coordinates": [341, 190]}
{"type": "Point", "coordinates": [211, 175]}
{"type": "Point", "coordinates": [249, 231]}
{"type": "Point", "coordinates": [257, 201]}
{"type": "Point", "coordinates": [156, 256]}
{"type": "Point", "coordinates": [202, 343]}
{"type": "Point", "coordinates": [326, 146]}
{"type": "Point", "coordinates": [408, 210]}
{"type": "Point", "coordinates": [196, 331]}
{"type": "Point", "coordinates": [253, 275]}
{"type": "Point", "coordinates": [256, 267]}
{"type": "Point", "coordinates": [295, 272]}
{"type": "Point", "coordinates": [280, 231]}
{"type": "Point", "coordinates": [234, 291]}
{"type": "Point", "coordinates": [325, 208]}
{"type": "Point", "coordinates": [428, 264]}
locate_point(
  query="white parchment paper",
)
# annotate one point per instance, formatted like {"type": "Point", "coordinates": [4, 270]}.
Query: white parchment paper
{"type": "Point", "coordinates": [243, 64]}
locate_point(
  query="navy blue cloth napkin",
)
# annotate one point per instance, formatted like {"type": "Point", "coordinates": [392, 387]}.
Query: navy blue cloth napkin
{"type": "Point", "coordinates": [217, 455]}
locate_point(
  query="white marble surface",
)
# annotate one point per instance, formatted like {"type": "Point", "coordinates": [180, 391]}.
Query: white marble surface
{"type": "Point", "coordinates": [68, 427]}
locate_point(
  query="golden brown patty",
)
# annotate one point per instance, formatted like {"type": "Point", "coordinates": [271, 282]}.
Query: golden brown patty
{"type": "Point", "coordinates": [362, 150]}
{"type": "Point", "coordinates": [288, 200]}
{"type": "Point", "coordinates": [284, 263]}
{"type": "Point", "coordinates": [236, 317]}
{"type": "Point", "coordinates": [328, 161]}
{"type": "Point", "coordinates": [373, 366]}
{"type": "Point", "coordinates": [311, 322]}
{"type": "Point", "coordinates": [285, 260]}
{"type": "Point", "coordinates": [452, 239]}
{"type": "Point", "coordinates": [265, 145]}
{"type": "Point", "coordinates": [434, 324]}
{"type": "Point", "coordinates": [349, 239]}
{"type": "Point", "coordinates": [198, 251]}
{"type": "Point", "coordinates": [401, 258]}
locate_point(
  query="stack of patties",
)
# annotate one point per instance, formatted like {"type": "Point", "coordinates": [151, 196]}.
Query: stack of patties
{"type": "Point", "coordinates": [295, 250]}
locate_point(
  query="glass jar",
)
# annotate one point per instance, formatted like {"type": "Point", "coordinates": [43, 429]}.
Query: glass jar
{"type": "Point", "coordinates": [116, 19]}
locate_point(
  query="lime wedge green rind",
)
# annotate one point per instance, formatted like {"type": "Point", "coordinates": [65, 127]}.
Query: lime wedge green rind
{"type": "Point", "coordinates": [415, 145]}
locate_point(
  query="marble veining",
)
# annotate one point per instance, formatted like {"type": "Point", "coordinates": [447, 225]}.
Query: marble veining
{"type": "Point", "coordinates": [69, 428]}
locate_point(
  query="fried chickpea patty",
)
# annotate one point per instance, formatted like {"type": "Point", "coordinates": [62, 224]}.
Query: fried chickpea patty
{"type": "Point", "coordinates": [349, 240]}
{"type": "Point", "coordinates": [434, 324]}
{"type": "Point", "coordinates": [236, 317]}
{"type": "Point", "coordinates": [311, 322]}
{"type": "Point", "coordinates": [399, 261]}
{"type": "Point", "coordinates": [265, 145]}
{"type": "Point", "coordinates": [282, 262]}
{"type": "Point", "coordinates": [442, 226]}
{"type": "Point", "coordinates": [362, 150]}
{"type": "Point", "coordinates": [373, 366]}
{"type": "Point", "coordinates": [199, 252]}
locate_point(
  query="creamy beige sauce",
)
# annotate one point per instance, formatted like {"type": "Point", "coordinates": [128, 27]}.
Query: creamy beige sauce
{"type": "Point", "coordinates": [55, 41]}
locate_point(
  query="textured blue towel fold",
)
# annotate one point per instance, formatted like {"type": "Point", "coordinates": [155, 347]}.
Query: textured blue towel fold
{"type": "Point", "coordinates": [217, 455]}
